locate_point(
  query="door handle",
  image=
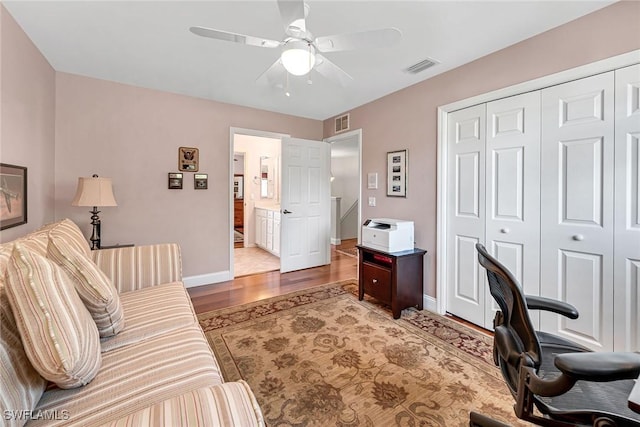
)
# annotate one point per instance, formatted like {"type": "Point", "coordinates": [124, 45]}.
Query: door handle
{"type": "Point", "coordinates": [504, 230]}
{"type": "Point", "coordinates": [578, 237]}
{"type": "Point", "coordinates": [286, 212]}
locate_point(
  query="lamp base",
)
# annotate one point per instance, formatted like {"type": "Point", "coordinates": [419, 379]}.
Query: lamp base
{"type": "Point", "coordinates": [95, 235]}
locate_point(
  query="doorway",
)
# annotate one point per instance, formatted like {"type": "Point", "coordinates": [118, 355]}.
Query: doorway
{"type": "Point", "coordinates": [255, 190]}
{"type": "Point", "coordinates": [346, 187]}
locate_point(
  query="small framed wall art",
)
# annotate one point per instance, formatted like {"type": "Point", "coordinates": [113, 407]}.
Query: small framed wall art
{"type": "Point", "coordinates": [397, 173]}
{"type": "Point", "coordinates": [175, 181]}
{"type": "Point", "coordinates": [200, 181]}
{"type": "Point", "coordinates": [13, 195]}
{"type": "Point", "coordinates": [188, 159]}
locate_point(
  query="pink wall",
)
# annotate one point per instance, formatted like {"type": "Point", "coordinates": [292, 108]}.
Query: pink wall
{"type": "Point", "coordinates": [132, 135]}
{"type": "Point", "coordinates": [28, 121]}
{"type": "Point", "coordinates": [408, 118]}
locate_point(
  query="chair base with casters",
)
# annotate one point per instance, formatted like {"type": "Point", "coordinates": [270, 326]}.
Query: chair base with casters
{"type": "Point", "coordinates": [554, 381]}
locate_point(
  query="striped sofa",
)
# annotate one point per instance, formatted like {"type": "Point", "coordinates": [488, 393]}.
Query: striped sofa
{"type": "Point", "coordinates": [157, 370]}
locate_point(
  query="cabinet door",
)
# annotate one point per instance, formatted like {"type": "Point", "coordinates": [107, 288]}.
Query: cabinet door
{"type": "Point", "coordinates": [276, 233]}
{"type": "Point", "coordinates": [626, 269]}
{"type": "Point", "coordinates": [263, 232]}
{"type": "Point", "coordinates": [466, 213]}
{"type": "Point", "coordinates": [513, 191]}
{"type": "Point", "coordinates": [261, 228]}
{"type": "Point", "coordinates": [577, 208]}
{"type": "Point", "coordinates": [269, 242]}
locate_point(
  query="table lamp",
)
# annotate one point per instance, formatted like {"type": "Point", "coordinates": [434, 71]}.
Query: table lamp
{"type": "Point", "coordinates": [96, 192]}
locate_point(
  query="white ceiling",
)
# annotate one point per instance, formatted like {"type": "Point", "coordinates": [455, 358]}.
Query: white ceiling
{"type": "Point", "coordinates": [148, 44]}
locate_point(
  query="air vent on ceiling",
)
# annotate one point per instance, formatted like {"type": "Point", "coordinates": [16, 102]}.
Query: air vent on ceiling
{"type": "Point", "coordinates": [421, 66]}
{"type": "Point", "coordinates": [342, 123]}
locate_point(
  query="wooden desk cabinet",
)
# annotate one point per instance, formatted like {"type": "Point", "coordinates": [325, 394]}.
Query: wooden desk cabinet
{"type": "Point", "coordinates": [392, 278]}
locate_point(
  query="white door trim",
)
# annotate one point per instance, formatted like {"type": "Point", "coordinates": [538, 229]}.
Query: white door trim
{"type": "Point", "coordinates": [357, 133]}
{"type": "Point", "coordinates": [587, 70]}
{"type": "Point", "coordinates": [232, 132]}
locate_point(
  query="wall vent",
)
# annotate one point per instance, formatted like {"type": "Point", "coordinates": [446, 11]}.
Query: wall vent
{"type": "Point", "coordinates": [421, 66]}
{"type": "Point", "coordinates": [342, 123]}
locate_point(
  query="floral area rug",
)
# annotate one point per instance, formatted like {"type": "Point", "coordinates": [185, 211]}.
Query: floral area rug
{"type": "Point", "coordinates": [320, 357]}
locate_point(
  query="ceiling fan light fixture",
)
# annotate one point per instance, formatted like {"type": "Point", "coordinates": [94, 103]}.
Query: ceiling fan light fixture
{"type": "Point", "coordinates": [298, 57]}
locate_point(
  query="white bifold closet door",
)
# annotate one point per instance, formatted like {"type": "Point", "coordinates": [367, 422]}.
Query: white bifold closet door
{"type": "Point", "coordinates": [494, 167]}
{"type": "Point", "coordinates": [466, 293]}
{"type": "Point", "coordinates": [513, 191]}
{"type": "Point", "coordinates": [626, 250]}
{"type": "Point", "coordinates": [577, 182]}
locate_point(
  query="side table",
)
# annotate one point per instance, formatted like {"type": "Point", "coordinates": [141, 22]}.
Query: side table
{"type": "Point", "coordinates": [394, 278]}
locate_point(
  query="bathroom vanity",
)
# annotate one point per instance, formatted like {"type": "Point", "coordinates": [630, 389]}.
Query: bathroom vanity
{"type": "Point", "coordinates": [268, 229]}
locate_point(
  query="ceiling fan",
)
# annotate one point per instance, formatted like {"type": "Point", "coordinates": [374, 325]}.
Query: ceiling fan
{"type": "Point", "coordinates": [301, 52]}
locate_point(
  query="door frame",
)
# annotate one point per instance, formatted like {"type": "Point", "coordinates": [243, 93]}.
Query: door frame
{"type": "Point", "coordinates": [232, 133]}
{"type": "Point", "coordinates": [587, 70]}
{"type": "Point", "coordinates": [348, 135]}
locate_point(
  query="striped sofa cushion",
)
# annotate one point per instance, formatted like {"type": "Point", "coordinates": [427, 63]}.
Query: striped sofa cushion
{"type": "Point", "coordinates": [93, 286]}
{"type": "Point", "coordinates": [59, 336]}
{"type": "Point", "coordinates": [136, 376]}
{"type": "Point", "coordinates": [68, 231]}
{"type": "Point", "coordinates": [228, 404]}
{"type": "Point", "coordinates": [133, 268]}
{"type": "Point", "coordinates": [151, 312]}
{"type": "Point", "coordinates": [21, 386]}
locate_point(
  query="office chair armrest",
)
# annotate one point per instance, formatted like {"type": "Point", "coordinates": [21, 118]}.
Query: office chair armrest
{"type": "Point", "coordinates": [599, 367]}
{"type": "Point", "coordinates": [555, 306]}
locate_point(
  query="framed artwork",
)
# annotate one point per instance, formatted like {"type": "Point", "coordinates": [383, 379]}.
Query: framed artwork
{"type": "Point", "coordinates": [13, 201]}
{"type": "Point", "coordinates": [397, 173]}
{"type": "Point", "coordinates": [200, 181]}
{"type": "Point", "coordinates": [188, 159]}
{"type": "Point", "coordinates": [175, 181]}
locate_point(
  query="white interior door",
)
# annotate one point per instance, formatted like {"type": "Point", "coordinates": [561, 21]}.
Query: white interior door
{"type": "Point", "coordinates": [513, 192]}
{"type": "Point", "coordinates": [577, 208]}
{"type": "Point", "coordinates": [626, 269]}
{"type": "Point", "coordinates": [466, 213]}
{"type": "Point", "coordinates": [305, 204]}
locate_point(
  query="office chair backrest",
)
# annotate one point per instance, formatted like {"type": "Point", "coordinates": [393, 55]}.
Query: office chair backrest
{"type": "Point", "coordinates": [515, 328]}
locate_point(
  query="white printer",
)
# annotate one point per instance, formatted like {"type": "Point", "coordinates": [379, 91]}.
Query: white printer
{"type": "Point", "coordinates": [388, 235]}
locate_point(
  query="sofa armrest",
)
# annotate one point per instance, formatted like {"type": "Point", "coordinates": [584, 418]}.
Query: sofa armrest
{"type": "Point", "coordinates": [227, 404]}
{"type": "Point", "coordinates": [137, 267]}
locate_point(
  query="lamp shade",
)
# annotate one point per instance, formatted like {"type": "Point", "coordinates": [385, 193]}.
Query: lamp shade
{"type": "Point", "coordinates": [298, 57]}
{"type": "Point", "coordinates": [94, 191]}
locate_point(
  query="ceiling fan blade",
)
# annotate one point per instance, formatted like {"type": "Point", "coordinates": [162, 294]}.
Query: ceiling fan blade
{"type": "Point", "coordinates": [293, 15]}
{"type": "Point", "coordinates": [273, 74]}
{"type": "Point", "coordinates": [233, 37]}
{"type": "Point", "coordinates": [331, 71]}
{"type": "Point", "coordinates": [366, 39]}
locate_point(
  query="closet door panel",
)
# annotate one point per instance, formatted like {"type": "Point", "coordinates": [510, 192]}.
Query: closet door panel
{"type": "Point", "coordinates": [466, 218]}
{"type": "Point", "coordinates": [513, 190]}
{"type": "Point", "coordinates": [577, 208]}
{"type": "Point", "coordinates": [627, 211]}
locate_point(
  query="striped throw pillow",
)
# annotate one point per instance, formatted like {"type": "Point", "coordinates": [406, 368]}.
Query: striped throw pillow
{"type": "Point", "coordinates": [22, 386]}
{"type": "Point", "coordinates": [93, 286]}
{"type": "Point", "coordinates": [59, 336]}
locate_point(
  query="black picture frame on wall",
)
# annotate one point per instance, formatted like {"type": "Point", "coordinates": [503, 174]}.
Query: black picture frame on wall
{"type": "Point", "coordinates": [397, 173]}
{"type": "Point", "coordinates": [200, 181]}
{"type": "Point", "coordinates": [13, 195]}
{"type": "Point", "coordinates": [175, 181]}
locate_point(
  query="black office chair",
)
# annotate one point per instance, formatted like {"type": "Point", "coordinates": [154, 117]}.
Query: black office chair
{"type": "Point", "coordinates": [568, 384]}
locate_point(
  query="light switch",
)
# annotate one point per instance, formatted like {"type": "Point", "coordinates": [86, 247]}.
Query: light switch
{"type": "Point", "coordinates": [372, 201]}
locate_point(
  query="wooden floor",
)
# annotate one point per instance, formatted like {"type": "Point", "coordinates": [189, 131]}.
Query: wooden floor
{"type": "Point", "coordinates": [260, 286]}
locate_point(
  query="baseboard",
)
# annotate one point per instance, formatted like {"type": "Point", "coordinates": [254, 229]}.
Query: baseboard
{"type": "Point", "coordinates": [335, 241]}
{"type": "Point", "coordinates": [430, 303]}
{"type": "Point", "coordinates": [206, 279]}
